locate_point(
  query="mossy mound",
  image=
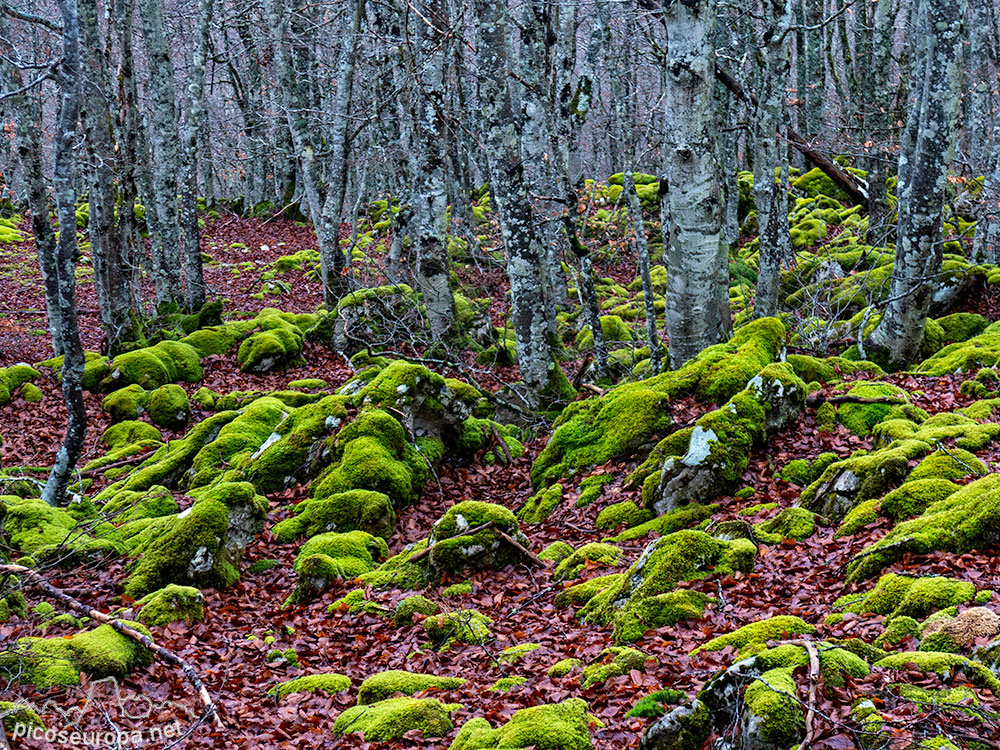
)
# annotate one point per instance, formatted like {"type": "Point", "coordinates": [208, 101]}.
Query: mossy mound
{"type": "Point", "coordinates": [646, 597]}
{"type": "Point", "coordinates": [836, 664]}
{"type": "Point", "coordinates": [861, 418]}
{"type": "Point", "coordinates": [460, 626]}
{"type": "Point", "coordinates": [169, 407]}
{"type": "Point", "coordinates": [593, 553]}
{"type": "Point", "coordinates": [675, 520]}
{"type": "Point", "coordinates": [542, 504]}
{"type": "Point", "coordinates": [392, 718]}
{"type": "Point", "coordinates": [96, 367]}
{"type": "Point", "coordinates": [330, 556]}
{"type": "Point", "coordinates": [633, 416]}
{"type": "Point", "coordinates": [53, 662]}
{"type": "Point", "coordinates": [410, 606]}
{"type": "Point", "coordinates": [153, 366]}
{"type": "Point", "coordinates": [625, 513]}
{"type": "Point", "coordinates": [33, 527]}
{"type": "Point", "coordinates": [615, 662]}
{"type": "Point", "coordinates": [942, 664]}
{"type": "Point", "coordinates": [355, 510]}
{"type": "Point", "coordinates": [456, 545]}
{"type": "Point", "coordinates": [963, 521]}
{"type": "Point", "coordinates": [276, 343]}
{"type": "Point", "coordinates": [790, 523]}
{"type": "Point", "coordinates": [803, 472]}
{"type": "Point", "coordinates": [950, 464]}
{"type": "Point", "coordinates": [966, 356]}
{"type": "Point", "coordinates": [771, 705]}
{"type": "Point", "coordinates": [170, 604]}
{"type": "Point", "coordinates": [126, 403]}
{"type": "Point", "coordinates": [328, 682]}
{"type": "Point", "coordinates": [386, 684]}
{"type": "Point", "coordinates": [556, 726]}
{"type": "Point", "coordinates": [904, 596]}
{"type": "Point", "coordinates": [753, 638]}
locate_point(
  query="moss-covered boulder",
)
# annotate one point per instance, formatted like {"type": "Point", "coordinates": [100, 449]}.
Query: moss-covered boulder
{"type": "Point", "coordinates": [330, 556]}
{"type": "Point", "coordinates": [126, 404]}
{"type": "Point", "coordinates": [625, 513]}
{"type": "Point", "coordinates": [615, 662]}
{"type": "Point", "coordinates": [153, 366]}
{"type": "Point", "coordinates": [557, 726]}
{"type": "Point", "coordinates": [354, 510]}
{"type": "Point", "coordinates": [593, 553]}
{"type": "Point", "coordinates": [170, 604]}
{"type": "Point", "coordinates": [387, 684]}
{"type": "Point", "coordinates": [390, 719]}
{"type": "Point", "coordinates": [461, 538]}
{"type": "Point", "coordinates": [905, 596]}
{"type": "Point", "coordinates": [860, 418]}
{"type": "Point", "coordinates": [541, 505]}
{"type": "Point", "coordinates": [169, 407]}
{"type": "Point", "coordinates": [718, 452]}
{"type": "Point", "coordinates": [30, 526]}
{"type": "Point", "coordinates": [327, 682]}
{"type": "Point", "coordinates": [646, 595]}
{"type": "Point", "coordinates": [753, 638]}
{"type": "Point", "coordinates": [276, 344]}
{"type": "Point", "coordinates": [459, 626]}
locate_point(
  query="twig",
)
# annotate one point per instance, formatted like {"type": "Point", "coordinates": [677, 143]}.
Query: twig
{"type": "Point", "coordinates": [813, 682]}
{"type": "Point", "coordinates": [121, 627]}
{"type": "Point", "coordinates": [592, 388]}
{"type": "Point", "coordinates": [427, 550]}
{"type": "Point", "coordinates": [502, 443]}
{"type": "Point", "coordinates": [521, 548]}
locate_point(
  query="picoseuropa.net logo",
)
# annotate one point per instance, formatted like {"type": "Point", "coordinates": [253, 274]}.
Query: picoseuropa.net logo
{"type": "Point", "coordinates": [105, 718]}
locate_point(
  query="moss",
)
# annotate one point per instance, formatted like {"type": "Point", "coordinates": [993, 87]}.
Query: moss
{"type": "Point", "coordinates": [101, 652]}
{"type": "Point", "coordinates": [458, 589]}
{"type": "Point", "coordinates": [753, 637]}
{"type": "Point", "coordinates": [390, 719]}
{"type": "Point", "coordinates": [791, 523]}
{"type": "Point", "coordinates": [613, 327]}
{"type": "Point", "coordinates": [836, 664]}
{"type": "Point", "coordinates": [277, 343]}
{"type": "Point", "coordinates": [127, 506]}
{"type": "Point", "coordinates": [771, 699]}
{"type": "Point", "coordinates": [593, 553]}
{"type": "Point", "coordinates": [644, 596]}
{"type": "Point", "coordinates": [541, 505]}
{"type": "Point", "coordinates": [166, 362]}
{"type": "Point", "coordinates": [625, 513]}
{"type": "Point", "coordinates": [17, 714]}
{"type": "Point", "coordinates": [124, 433]}
{"type": "Point", "coordinates": [899, 595]}
{"type": "Point", "coordinates": [753, 510]}
{"type": "Point", "coordinates": [563, 667]}
{"type": "Point", "coordinates": [355, 510]}
{"type": "Point", "coordinates": [668, 523]}
{"type": "Point", "coordinates": [592, 487]}
{"type": "Point", "coordinates": [169, 407]}
{"type": "Point", "coordinates": [615, 662]}
{"type": "Point", "coordinates": [329, 556]}
{"type": "Point", "coordinates": [959, 327]}
{"type": "Point", "coordinates": [966, 356]}
{"type": "Point", "coordinates": [96, 367]}
{"type": "Point", "coordinates": [328, 682]}
{"type": "Point", "coordinates": [959, 523]}
{"type": "Point", "coordinates": [398, 571]}
{"type": "Point", "coordinates": [455, 549]}
{"type": "Point", "coordinates": [632, 416]}
{"type": "Point", "coordinates": [172, 604]}
{"type": "Point", "coordinates": [507, 683]}
{"type": "Point", "coordinates": [804, 472]}
{"type": "Point", "coordinates": [514, 654]}
{"type": "Point", "coordinates": [410, 606]}
{"type": "Point", "coordinates": [33, 527]}
{"type": "Point", "coordinates": [557, 551]}
{"type": "Point", "coordinates": [861, 418]}
{"type": "Point", "coordinates": [953, 463]}
{"type": "Point", "coordinates": [942, 664]}
{"type": "Point", "coordinates": [915, 496]}
{"type": "Point", "coordinates": [898, 630]}
{"type": "Point", "coordinates": [556, 726]}
{"type": "Point", "coordinates": [385, 685]}
{"type": "Point", "coordinates": [927, 697]}
{"type": "Point", "coordinates": [203, 546]}
{"type": "Point", "coordinates": [460, 626]}
{"type": "Point", "coordinates": [356, 602]}
{"type": "Point", "coordinates": [31, 393]}
{"type": "Point", "coordinates": [654, 704]}
{"type": "Point", "coordinates": [126, 404]}
{"type": "Point", "coordinates": [581, 593]}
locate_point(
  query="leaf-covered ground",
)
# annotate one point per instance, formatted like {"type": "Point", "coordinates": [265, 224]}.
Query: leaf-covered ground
{"type": "Point", "coordinates": [244, 623]}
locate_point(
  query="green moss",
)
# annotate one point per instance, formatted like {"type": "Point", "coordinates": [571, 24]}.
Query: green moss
{"type": "Point", "coordinates": [836, 664]}
{"type": "Point", "coordinates": [959, 523]}
{"type": "Point", "coordinates": [126, 404]}
{"type": "Point", "coordinates": [172, 603]}
{"type": "Point", "coordinates": [771, 699]}
{"type": "Point", "coordinates": [592, 487]}
{"type": "Point", "coordinates": [615, 662]}
{"type": "Point", "coordinates": [563, 667]}
{"type": "Point", "coordinates": [328, 682]}
{"type": "Point", "coordinates": [124, 433]}
{"type": "Point", "coordinates": [410, 606]}
{"type": "Point", "coordinates": [31, 393]}
{"type": "Point", "coordinates": [166, 362]}
{"type": "Point", "coordinates": [644, 597]}
{"type": "Point", "coordinates": [354, 510]}
{"type": "Point", "coordinates": [390, 719]}
{"type": "Point", "coordinates": [614, 328]}
{"type": "Point", "coordinates": [953, 463]}
{"type": "Point", "coordinates": [668, 523]}
{"type": "Point", "coordinates": [655, 704]}
{"type": "Point", "coordinates": [966, 356]}
{"type": "Point", "coordinates": [277, 343]}
{"type": "Point", "coordinates": [458, 589]}
{"type": "Point", "coordinates": [398, 571]}
{"type": "Point", "coordinates": [541, 505]}
{"type": "Point", "coordinates": [329, 556]}
{"type": "Point", "coordinates": [385, 685]}
{"type": "Point", "coordinates": [557, 726]}
{"type": "Point", "coordinates": [915, 496]}
{"type": "Point", "coordinates": [169, 407]}
{"type": "Point", "coordinates": [898, 596]}
{"type": "Point", "coordinates": [861, 418]}
{"type": "Point", "coordinates": [753, 510]}
{"type": "Point", "coordinates": [791, 523]}
{"type": "Point", "coordinates": [33, 527]}
{"type": "Point", "coordinates": [557, 551]}
{"type": "Point", "coordinates": [13, 715]}
{"type": "Point", "coordinates": [753, 637]}
{"type": "Point", "coordinates": [898, 630]}
{"type": "Point", "coordinates": [581, 593]}
{"type": "Point", "coordinates": [804, 472]}
{"type": "Point", "coordinates": [507, 683]}
{"type": "Point", "coordinates": [592, 553]}
{"type": "Point", "coordinates": [927, 697]}
{"type": "Point", "coordinates": [96, 368]}
{"type": "Point", "coordinates": [455, 549]}
{"type": "Point", "coordinates": [356, 602]}
{"type": "Point", "coordinates": [460, 626]}
{"type": "Point", "coordinates": [625, 513]}
{"type": "Point", "coordinates": [127, 506]}
{"type": "Point", "coordinates": [101, 652]}
{"type": "Point", "coordinates": [514, 654]}
{"type": "Point", "coordinates": [942, 664]}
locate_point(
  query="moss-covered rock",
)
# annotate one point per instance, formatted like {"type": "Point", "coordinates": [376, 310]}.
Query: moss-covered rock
{"type": "Point", "coordinates": [593, 553]}
{"type": "Point", "coordinates": [905, 596]}
{"type": "Point", "coordinates": [126, 404]}
{"type": "Point", "coordinates": [557, 551]}
{"type": "Point", "coordinates": [386, 684]}
{"type": "Point", "coordinates": [153, 366]}
{"type": "Point", "coordinates": [277, 343]}
{"type": "Point", "coordinates": [355, 510]}
{"type": "Point", "coordinates": [327, 682]}
{"type": "Point", "coordinates": [329, 556]}
{"type": "Point", "coordinates": [96, 367]}
{"type": "Point", "coordinates": [646, 597]}
{"type": "Point", "coordinates": [454, 548]}
{"type": "Point", "coordinates": [557, 726]}
{"type": "Point", "coordinates": [170, 604]}
{"type": "Point", "coordinates": [410, 606]}
{"type": "Point", "coordinates": [169, 407]}
{"type": "Point", "coordinates": [615, 662]}
{"type": "Point", "coordinates": [392, 718]}
{"type": "Point", "coordinates": [541, 505]}
{"type": "Point", "coordinates": [752, 638]}
{"type": "Point", "coordinates": [942, 664]}
{"type": "Point", "coordinates": [790, 523]}
{"type": "Point", "coordinates": [625, 513]}
{"type": "Point", "coordinates": [461, 626]}
{"type": "Point", "coordinates": [774, 715]}
{"type": "Point", "coordinates": [861, 418]}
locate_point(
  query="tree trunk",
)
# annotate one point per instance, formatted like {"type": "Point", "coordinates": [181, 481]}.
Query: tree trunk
{"type": "Point", "coordinates": [194, 120]}
{"type": "Point", "coordinates": [68, 333]}
{"type": "Point", "coordinates": [642, 251]}
{"type": "Point", "coordinates": [924, 160]}
{"type": "Point", "coordinates": [697, 258]}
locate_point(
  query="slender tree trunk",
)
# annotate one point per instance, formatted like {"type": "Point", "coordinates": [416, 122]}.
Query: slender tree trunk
{"type": "Point", "coordinates": [68, 333]}
{"type": "Point", "coordinates": [697, 259]}
{"type": "Point", "coordinates": [525, 254]}
{"type": "Point", "coordinates": [879, 95]}
{"type": "Point", "coordinates": [642, 251]}
{"type": "Point", "coordinates": [194, 120]}
{"type": "Point", "coordinates": [924, 160]}
{"type": "Point", "coordinates": [430, 194]}
{"type": "Point", "coordinates": [163, 140]}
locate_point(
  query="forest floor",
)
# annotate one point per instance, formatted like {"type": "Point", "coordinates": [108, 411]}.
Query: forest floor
{"type": "Point", "coordinates": [799, 578]}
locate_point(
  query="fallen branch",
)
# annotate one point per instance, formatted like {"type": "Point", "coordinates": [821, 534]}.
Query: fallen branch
{"type": "Point", "coordinates": [129, 632]}
{"type": "Point", "coordinates": [818, 397]}
{"type": "Point", "coordinates": [137, 458]}
{"type": "Point", "coordinates": [592, 388]}
{"type": "Point", "coordinates": [502, 443]}
{"type": "Point", "coordinates": [427, 550]}
{"type": "Point", "coordinates": [520, 547]}
{"type": "Point", "coordinates": [814, 673]}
